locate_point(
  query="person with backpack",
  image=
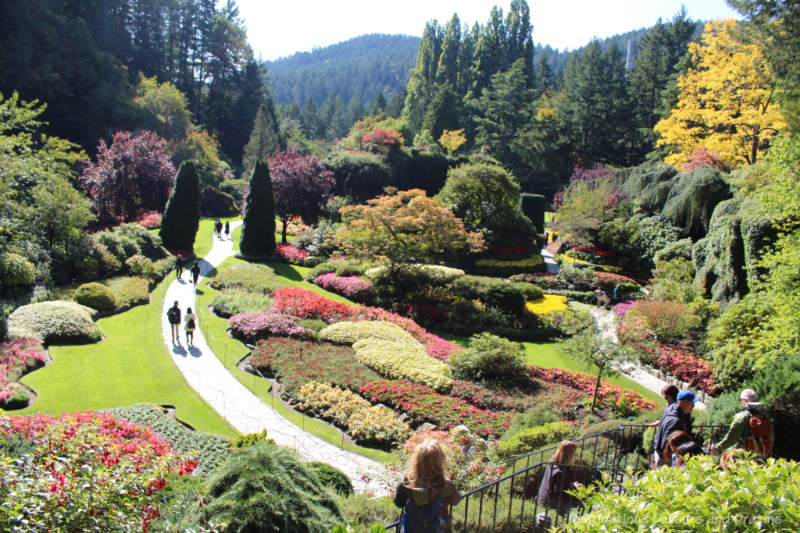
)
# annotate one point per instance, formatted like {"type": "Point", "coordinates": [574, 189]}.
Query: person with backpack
{"type": "Point", "coordinates": [189, 324]}
{"type": "Point", "coordinates": [677, 417]}
{"type": "Point", "coordinates": [195, 273]}
{"type": "Point", "coordinates": [750, 429]}
{"type": "Point", "coordinates": [174, 318]}
{"type": "Point", "coordinates": [426, 492]}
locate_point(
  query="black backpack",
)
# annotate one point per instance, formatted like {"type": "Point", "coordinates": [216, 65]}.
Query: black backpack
{"type": "Point", "coordinates": [190, 324]}
{"type": "Point", "coordinates": [173, 315]}
{"type": "Point", "coordinates": [425, 518]}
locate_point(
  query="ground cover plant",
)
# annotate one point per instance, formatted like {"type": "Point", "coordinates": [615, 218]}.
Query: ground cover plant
{"type": "Point", "coordinates": [352, 287]}
{"type": "Point", "coordinates": [125, 465]}
{"type": "Point", "coordinates": [129, 291]}
{"type": "Point", "coordinates": [295, 362]}
{"type": "Point", "coordinates": [230, 302]}
{"type": "Point", "coordinates": [17, 357]}
{"type": "Point", "coordinates": [250, 327]}
{"type": "Point", "coordinates": [54, 322]}
{"type": "Point", "coordinates": [208, 450]}
{"type": "Point", "coordinates": [251, 277]}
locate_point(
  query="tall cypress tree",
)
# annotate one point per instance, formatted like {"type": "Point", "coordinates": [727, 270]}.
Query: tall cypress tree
{"type": "Point", "coordinates": [264, 140]}
{"type": "Point", "coordinates": [182, 214]}
{"type": "Point", "coordinates": [258, 223]}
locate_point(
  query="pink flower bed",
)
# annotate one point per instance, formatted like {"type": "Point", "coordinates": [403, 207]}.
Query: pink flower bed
{"type": "Point", "coordinates": [150, 220]}
{"type": "Point", "coordinates": [437, 347]}
{"type": "Point", "coordinates": [290, 254]}
{"type": "Point", "coordinates": [609, 395]}
{"type": "Point", "coordinates": [686, 366]}
{"type": "Point", "coordinates": [17, 357]}
{"type": "Point", "coordinates": [423, 404]}
{"type": "Point", "coordinates": [623, 307]}
{"type": "Point", "coordinates": [349, 286]}
{"type": "Point", "coordinates": [251, 327]}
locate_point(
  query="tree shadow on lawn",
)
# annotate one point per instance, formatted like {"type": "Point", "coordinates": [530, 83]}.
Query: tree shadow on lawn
{"type": "Point", "coordinates": [285, 270]}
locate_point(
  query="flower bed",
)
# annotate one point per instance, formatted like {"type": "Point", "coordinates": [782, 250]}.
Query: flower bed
{"type": "Point", "coordinates": [438, 348]}
{"type": "Point", "coordinates": [549, 303]}
{"type": "Point", "coordinates": [622, 308]}
{"type": "Point", "coordinates": [56, 321]}
{"type": "Point", "coordinates": [423, 404]}
{"type": "Point", "coordinates": [150, 220]}
{"type": "Point", "coordinates": [507, 267]}
{"type": "Point", "coordinates": [362, 421]}
{"type": "Point", "coordinates": [688, 367]}
{"type": "Point", "coordinates": [17, 357]}
{"type": "Point", "coordinates": [249, 277]}
{"type": "Point", "coordinates": [621, 401]}
{"type": "Point", "coordinates": [403, 360]}
{"type": "Point", "coordinates": [250, 327]}
{"type": "Point", "coordinates": [350, 286]}
{"type": "Point", "coordinates": [607, 281]}
{"type": "Point", "coordinates": [290, 254]}
{"type": "Point", "coordinates": [350, 332]}
{"type": "Point", "coordinates": [123, 465]}
{"type": "Point", "coordinates": [296, 363]}
{"type": "Point", "coordinates": [497, 399]}
{"type": "Point", "coordinates": [517, 250]}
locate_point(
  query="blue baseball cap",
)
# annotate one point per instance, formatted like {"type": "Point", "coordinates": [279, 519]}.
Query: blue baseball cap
{"type": "Point", "coordinates": [686, 395]}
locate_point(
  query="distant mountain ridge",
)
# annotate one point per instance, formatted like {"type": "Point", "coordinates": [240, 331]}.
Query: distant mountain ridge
{"type": "Point", "coordinates": [365, 65]}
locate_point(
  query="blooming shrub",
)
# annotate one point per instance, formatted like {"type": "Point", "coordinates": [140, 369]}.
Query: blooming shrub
{"type": "Point", "coordinates": [498, 399]}
{"type": "Point", "coordinates": [296, 362]}
{"type": "Point", "coordinates": [621, 401]}
{"type": "Point", "coordinates": [250, 327]}
{"type": "Point", "coordinates": [622, 308]}
{"type": "Point", "coordinates": [350, 332]}
{"type": "Point", "coordinates": [405, 359]}
{"type": "Point", "coordinates": [438, 348]}
{"type": "Point", "coordinates": [666, 321]}
{"type": "Point", "coordinates": [123, 465]}
{"type": "Point", "coordinates": [518, 250]}
{"type": "Point", "coordinates": [688, 367]}
{"type": "Point", "coordinates": [56, 321]}
{"type": "Point", "coordinates": [531, 439]}
{"type": "Point", "coordinates": [17, 357]}
{"type": "Point", "coordinates": [362, 421]}
{"type": "Point", "coordinates": [491, 359]}
{"type": "Point", "coordinates": [350, 286]}
{"type": "Point", "coordinates": [549, 303]}
{"type": "Point", "coordinates": [607, 281]}
{"type": "Point", "coordinates": [247, 276]}
{"type": "Point", "coordinates": [290, 254]}
{"type": "Point", "coordinates": [150, 220]}
{"type": "Point", "coordinates": [423, 404]}
{"type": "Point", "coordinates": [139, 265]}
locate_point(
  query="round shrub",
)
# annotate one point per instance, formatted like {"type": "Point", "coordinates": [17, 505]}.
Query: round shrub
{"type": "Point", "coordinates": [18, 400]}
{"type": "Point", "coordinates": [96, 295]}
{"type": "Point", "coordinates": [57, 321]}
{"type": "Point", "coordinates": [16, 271]}
{"type": "Point", "coordinates": [332, 478]}
{"type": "Point", "coordinates": [139, 265]}
{"type": "Point", "coordinates": [531, 439]}
{"type": "Point", "coordinates": [266, 488]}
{"type": "Point", "coordinates": [490, 359]}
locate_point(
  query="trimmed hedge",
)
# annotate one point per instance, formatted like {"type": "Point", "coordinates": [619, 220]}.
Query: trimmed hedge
{"type": "Point", "coordinates": [250, 277]}
{"type": "Point", "coordinates": [533, 207]}
{"type": "Point", "coordinates": [531, 439]}
{"type": "Point", "coordinates": [96, 296]}
{"type": "Point", "coordinates": [54, 322]}
{"type": "Point", "coordinates": [129, 291]}
{"type": "Point", "coordinates": [258, 226]}
{"type": "Point", "coordinates": [182, 214]}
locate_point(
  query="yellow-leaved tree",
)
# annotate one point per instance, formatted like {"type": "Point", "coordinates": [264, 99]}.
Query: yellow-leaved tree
{"type": "Point", "coordinates": [452, 140]}
{"type": "Point", "coordinates": [726, 101]}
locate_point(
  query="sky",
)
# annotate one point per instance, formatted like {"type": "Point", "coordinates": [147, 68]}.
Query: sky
{"type": "Point", "coordinates": [278, 28]}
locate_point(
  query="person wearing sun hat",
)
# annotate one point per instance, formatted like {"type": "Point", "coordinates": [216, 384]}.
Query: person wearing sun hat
{"type": "Point", "coordinates": [677, 417]}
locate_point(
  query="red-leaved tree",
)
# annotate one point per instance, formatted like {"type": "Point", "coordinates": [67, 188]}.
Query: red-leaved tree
{"type": "Point", "coordinates": [301, 186]}
{"type": "Point", "coordinates": [131, 177]}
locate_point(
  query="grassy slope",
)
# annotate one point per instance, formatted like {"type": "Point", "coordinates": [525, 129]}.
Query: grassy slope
{"type": "Point", "coordinates": [230, 351]}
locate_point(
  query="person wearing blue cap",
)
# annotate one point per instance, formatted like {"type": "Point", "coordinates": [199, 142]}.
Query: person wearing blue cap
{"type": "Point", "coordinates": [676, 417]}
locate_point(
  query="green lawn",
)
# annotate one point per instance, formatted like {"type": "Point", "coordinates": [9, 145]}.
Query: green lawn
{"type": "Point", "coordinates": [548, 355]}
{"type": "Point", "coordinates": [230, 351]}
{"type": "Point", "coordinates": [130, 365]}
{"type": "Point", "coordinates": [204, 240]}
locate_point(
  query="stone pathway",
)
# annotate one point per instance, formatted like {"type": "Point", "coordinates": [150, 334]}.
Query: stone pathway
{"type": "Point", "coordinates": [550, 263]}
{"type": "Point", "coordinates": [246, 412]}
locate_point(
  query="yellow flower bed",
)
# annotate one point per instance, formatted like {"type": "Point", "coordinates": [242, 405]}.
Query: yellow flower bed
{"type": "Point", "coordinates": [362, 420]}
{"type": "Point", "coordinates": [404, 360]}
{"type": "Point", "coordinates": [573, 260]}
{"type": "Point", "coordinates": [549, 303]}
{"type": "Point", "coordinates": [349, 332]}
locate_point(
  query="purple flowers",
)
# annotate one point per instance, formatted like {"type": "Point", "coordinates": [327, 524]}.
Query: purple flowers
{"type": "Point", "coordinates": [250, 327]}
{"type": "Point", "coordinates": [350, 286]}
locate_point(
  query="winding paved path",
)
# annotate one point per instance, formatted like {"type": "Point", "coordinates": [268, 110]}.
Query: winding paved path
{"type": "Point", "coordinates": [246, 412]}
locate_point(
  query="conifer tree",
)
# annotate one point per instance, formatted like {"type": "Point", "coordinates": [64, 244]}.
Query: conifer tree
{"type": "Point", "coordinates": [258, 223]}
{"type": "Point", "coordinates": [264, 141]}
{"type": "Point", "coordinates": [182, 214]}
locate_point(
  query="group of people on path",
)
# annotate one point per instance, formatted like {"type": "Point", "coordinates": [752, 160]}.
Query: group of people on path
{"type": "Point", "coordinates": [218, 229]}
{"type": "Point", "coordinates": [194, 271]}
{"type": "Point", "coordinates": [674, 441]}
{"type": "Point", "coordinates": [603, 299]}
{"type": "Point", "coordinates": [189, 323]}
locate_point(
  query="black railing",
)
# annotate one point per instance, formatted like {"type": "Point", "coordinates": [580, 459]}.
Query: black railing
{"type": "Point", "coordinates": [511, 503]}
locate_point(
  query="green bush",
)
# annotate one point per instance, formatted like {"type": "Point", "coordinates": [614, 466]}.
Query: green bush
{"type": "Point", "coordinates": [333, 478]}
{"type": "Point", "coordinates": [532, 439]}
{"type": "Point", "coordinates": [217, 203]}
{"type": "Point", "coordinates": [230, 302]}
{"type": "Point", "coordinates": [531, 418]}
{"type": "Point", "coordinates": [490, 359]}
{"type": "Point", "coordinates": [359, 176]}
{"type": "Point", "coordinates": [692, 200]}
{"type": "Point", "coordinates": [119, 245]}
{"type": "Point", "coordinates": [266, 488]}
{"type": "Point", "coordinates": [751, 496]}
{"type": "Point", "coordinates": [250, 277]}
{"type": "Point", "coordinates": [314, 324]}
{"type": "Point", "coordinates": [16, 271]}
{"type": "Point", "coordinates": [250, 439]}
{"type": "Point", "coordinates": [162, 267]}
{"type": "Point", "coordinates": [503, 294]}
{"type": "Point", "coordinates": [361, 511]}
{"type": "Point", "coordinates": [139, 265]}
{"type": "Point", "coordinates": [650, 185]}
{"type": "Point", "coordinates": [148, 242]}
{"type": "Point", "coordinates": [182, 213]}
{"type": "Point", "coordinates": [533, 207]}
{"type": "Point", "coordinates": [54, 322]}
{"type": "Point", "coordinates": [129, 291]}
{"type": "Point", "coordinates": [96, 296]}
{"type": "Point", "coordinates": [19, 400]}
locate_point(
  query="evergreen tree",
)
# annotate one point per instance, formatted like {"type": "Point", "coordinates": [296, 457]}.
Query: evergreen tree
{"type": "Point", "coordinates": [264, 140]}
{"type": "Point", "coordinates": [378, 104]}
{"type": "Point", "coordinates": [444, 112]}
{"type": "Point", "coordinates": [423, 76]}
{"type": "Point", "coordinates": [447, 68]}
{"type": "Point", "coordinates": [258, 222]}
{"type": "Point", "coordinates": [355, 109]}
{"type": "Point", "coordinates": [309, 118]}
{"type": "Point", "coordinates": [182, 214]}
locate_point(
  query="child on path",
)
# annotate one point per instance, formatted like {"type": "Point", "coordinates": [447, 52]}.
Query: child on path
{"type": "Point", "coordinates": [189, 323]}
{"type": "Point", "coordinates": [174, 317]}
{"type": "Point", "coordinates": [426, 492]}
{"type": "Point", "coordinates": [195, 273]}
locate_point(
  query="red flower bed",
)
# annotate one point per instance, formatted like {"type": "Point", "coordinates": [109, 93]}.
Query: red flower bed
{"type": "Point", "coordinates": [422, 404]}
{"type": "Point", "coordinates": [686, 366]}
{"type": "Point", "coordinates": [485, 398]}
{"type": "Point", "coordinates": [609, 395]}
{"type": "Point", "coordinates": [17, 357]}
{"type": "Point", "coordinates": [150, 220]}
{"type": "Point", "coordinates": [593, 251]}
{"type": "Point", "coordinates": [437, 347]}
{"type": "Point", "coordinates": [290, 254]}
{"type": "Point", "coordinates": [512, 250]}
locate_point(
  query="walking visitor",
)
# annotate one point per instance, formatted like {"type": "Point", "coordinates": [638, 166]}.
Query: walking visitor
{"type": "Point", "coordinates": [189, 324]}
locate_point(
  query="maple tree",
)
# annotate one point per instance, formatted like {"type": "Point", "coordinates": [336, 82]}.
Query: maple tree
{"type": "Point", "coordinates": [404, 228]}
{"type": "Point", "coordinates": [452, 140]}
{"type": "Point", "coordinates": [301, 186]}
{"type": "Point", "coordinates": [726, 101]}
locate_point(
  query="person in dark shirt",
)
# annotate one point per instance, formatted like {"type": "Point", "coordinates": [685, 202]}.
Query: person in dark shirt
{"type": "Point", "coordinates": [676, 417]}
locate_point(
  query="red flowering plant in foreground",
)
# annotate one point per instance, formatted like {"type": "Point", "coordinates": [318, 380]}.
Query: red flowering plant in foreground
{"type": "Point", "coordinates": [17, 357]}
{"type": "Point", "coordinates": [423, 404]}
{"type": "Point", "coordinates": [87, 472]}
{"type": "Point", "coordinates": [150, 220]}
{"type": "Point", "coordinates": [621, 401]}
{"type": "Point", "coordinates": [290, 254]}
{"type": "Point", "coordinates": [485, 398]}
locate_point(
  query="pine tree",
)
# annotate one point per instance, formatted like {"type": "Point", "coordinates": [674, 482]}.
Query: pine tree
{"type": "Point", "coordinates": [264, 141]}
{"type": "Point", "coordinates": [182, 214]}
{"type": "Point", "coordinates": [258, 222]}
